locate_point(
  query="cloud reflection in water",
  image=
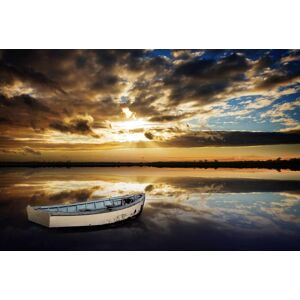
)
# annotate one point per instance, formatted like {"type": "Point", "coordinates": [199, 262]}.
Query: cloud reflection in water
{"type": "Point", "coordinates": [181, 212]}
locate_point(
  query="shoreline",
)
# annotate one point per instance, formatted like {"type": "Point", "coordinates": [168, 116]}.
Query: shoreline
{"type": "Point", "coordinates": [278, 164]}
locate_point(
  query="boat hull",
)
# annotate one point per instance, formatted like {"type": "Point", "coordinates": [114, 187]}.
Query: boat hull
{"type": "Point", "coordinates": [93, 219]}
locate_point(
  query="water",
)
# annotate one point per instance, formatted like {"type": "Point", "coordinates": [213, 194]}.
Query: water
{"type": "Point", "coordinates": [185, 209]}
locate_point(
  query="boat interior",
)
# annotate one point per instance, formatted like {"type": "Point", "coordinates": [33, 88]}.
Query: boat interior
{"type": "Point", "coordinates": [102, 204]}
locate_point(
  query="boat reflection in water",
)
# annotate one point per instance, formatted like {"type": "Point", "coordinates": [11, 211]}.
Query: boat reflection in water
{"type": "Point", "coordinates": [186, 209]}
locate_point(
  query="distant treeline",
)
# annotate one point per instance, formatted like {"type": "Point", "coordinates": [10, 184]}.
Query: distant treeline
{"type": "Point", "coordinates": [278, 164]}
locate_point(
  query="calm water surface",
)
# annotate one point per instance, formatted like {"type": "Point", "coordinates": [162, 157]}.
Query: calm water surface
{"type": "Point", "coordinates": [185, 209]}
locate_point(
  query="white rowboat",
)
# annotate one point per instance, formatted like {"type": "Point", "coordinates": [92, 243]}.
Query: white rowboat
{"type": "Point", "coordinates": [97, 212]}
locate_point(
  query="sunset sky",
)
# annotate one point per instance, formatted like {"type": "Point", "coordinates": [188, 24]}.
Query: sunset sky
{"type": "Point", "coordinates": [149, 105]}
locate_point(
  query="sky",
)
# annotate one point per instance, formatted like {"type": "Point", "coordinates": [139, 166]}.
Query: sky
{"type": "Point", "coordinates": [149, 105]}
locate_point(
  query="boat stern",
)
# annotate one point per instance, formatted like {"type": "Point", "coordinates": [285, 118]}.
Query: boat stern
{"type": "Point", "coordinates": [38, 216]}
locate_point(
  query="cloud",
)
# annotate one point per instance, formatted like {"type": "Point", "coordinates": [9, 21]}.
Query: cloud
{"type": "Point", "coordinates": [29, 150]}
{"type": "Point", "coordinates": [24, 101]}
{"type": "Point", "coordinates": [204, 80]}
{"type": "Point", "coordinates": [170, 117]}
{"type": "Point", "coordinates": [259, 103]}
{"type": "Point", "coordinates": [149, 135]}
{"type": "Point", "coordinates": [67, 195]}
{"type": "Point", "coordinates": [7, 151]}
{"type": "Point", "coordinates": [79, 92]}
{"type": "Point", "coordinates": [278, 113]}
{"type": "Point", "coordinates": [155, 140]}
{"type": "Point", "coordinates": [10, 75]}
{"type": "Point", "coordinates": [291, 129]}
{"type": "Point", "coordinates": [278, 79]}
{"type": "Point", "coordinates": [77, 126]}
{"type": "Point", "coordinates": [230, 138]}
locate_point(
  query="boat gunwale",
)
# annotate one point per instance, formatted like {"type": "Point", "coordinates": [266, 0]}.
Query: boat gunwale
{"type": "Point", "coordinates": [92, 211]}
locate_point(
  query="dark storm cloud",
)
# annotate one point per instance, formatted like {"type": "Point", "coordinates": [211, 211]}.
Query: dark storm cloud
{"type": "Point", "coordinates": [26, 115]}
{"type": "Point", "coordinates": [10, 74]}
{"type": "Point", "coordinates": [210, 69]}
{"type": "Point", "coordinates": [25, 101]}
{"type": "Point", "coordinates": [185, 137]}
{"type": "Point", "coordinates": [23, 113]}
{"type": "Point", "coordinates": [149, 135]}
{"type": "Point", "coordinates": [78, 126]}
{"type": "Point", "coordinates": [135, 60]}
{"type": "Point", "coordinates": [203, 80]}
{"type": "Point", "coordinates": [263, 63]}
{"type": "Point", "coordinates": [231, 138]}
{"type": "Point", "coordinates": [180, 140]}
{"type": "Point", "coordinates": [169, 118]}
{"type": "Point", "coordinates": [143, 95]}
{"type": "Point", "coordinates": [73, 69]}
{"type": "Point", "coordinates": [110, 58]}
{"type": "Point", "coordinates": [103, 109]}
{"type": "Point", "coordinates": [78, 91]}
{"type": "Point", "coordinates": [92, 81]}
{"type": "Point", "coordinates": [278, 79]}
{"type": "Point", "coordinates": [105, 82]}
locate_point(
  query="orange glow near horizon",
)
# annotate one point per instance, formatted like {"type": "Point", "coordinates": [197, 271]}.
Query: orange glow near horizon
{"type": "Point", "coordinates": [149, 154]}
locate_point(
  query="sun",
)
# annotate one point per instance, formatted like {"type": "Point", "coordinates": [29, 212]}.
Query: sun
{"type": "Point", "coordinates": [132, 124]}
{"type": "Point", "coordinates": [130, 130]}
